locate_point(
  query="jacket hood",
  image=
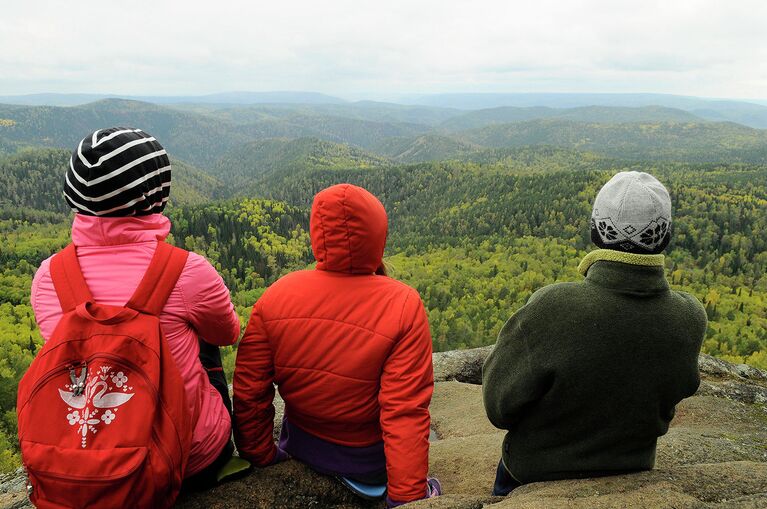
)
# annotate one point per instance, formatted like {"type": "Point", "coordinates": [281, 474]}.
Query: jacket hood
{"type": "Point", "coordinates": [348, 228]}
{"type": "Point", "coordinates": [111, 231]}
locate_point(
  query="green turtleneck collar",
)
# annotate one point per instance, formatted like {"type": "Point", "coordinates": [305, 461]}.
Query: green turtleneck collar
{"type": "Point", "coordinates": [608, 255]}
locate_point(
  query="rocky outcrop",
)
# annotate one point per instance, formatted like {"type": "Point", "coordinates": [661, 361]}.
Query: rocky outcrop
{"type": "Point", "coordinates": [714, 456]}
{"type": "Point", "coordinates": [285, 486]}
{"type": "Point", "coordinates": [460, 365]}
{"type": "Point", "coordinates": [466, 366]}
{"type": "Point", "coordinates": [13, 491]}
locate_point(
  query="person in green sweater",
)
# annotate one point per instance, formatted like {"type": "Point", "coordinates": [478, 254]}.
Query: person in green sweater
{"type": "Point", "coordinates": [586, 376]}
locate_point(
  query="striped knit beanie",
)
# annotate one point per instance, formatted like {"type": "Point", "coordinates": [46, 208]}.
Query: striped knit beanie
{"type": "Point", "coordinates": [632, 213]}
{"type": "Point", "coordinates": [118, 172]}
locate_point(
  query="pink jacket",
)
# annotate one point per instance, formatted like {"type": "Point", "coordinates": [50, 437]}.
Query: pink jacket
{"type": "Point", "coordinates": [114, 253]}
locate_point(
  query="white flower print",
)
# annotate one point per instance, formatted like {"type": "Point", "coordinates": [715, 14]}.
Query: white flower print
{"type": "Point", "coordinates": [119, 379]}
{"type": "Point", "coordinates": [108, 417]}
{"type": "Point", "coordinates": [87, 423]}
{"type": "Point", "coordinates": [97, 405]}
{"type": "Point", "coordinates": [73, 418]}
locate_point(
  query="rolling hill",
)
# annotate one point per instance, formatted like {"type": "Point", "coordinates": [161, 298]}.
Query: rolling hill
{"type": "Point", "coordinates": [33, 178]}
{"type": "Point", "coordinates": [204, 136]}
{"type": "Point", "coordinates": [7, 147]}
{"type": "Point", "coordinates": [597, 114]}
{"type": "Point", "coordinates": [195, 137]}
{"type": "Point", "coordinates": [245, 167]}
{"type": "Point", "coordinates": [479, 218]}
{"type": "Point", "coordinates": [746, 113]}
{"type": "Point", "coordinates": [361, 110]}
{"type": "Point", "coordinates": [279, 97]}
{"type": "Point", "coordinates": [682, 141]}
{"type": "Point", "coordinates": [427, 147]}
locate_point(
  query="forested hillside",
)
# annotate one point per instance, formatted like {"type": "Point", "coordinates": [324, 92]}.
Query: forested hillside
{"type": "Point", "coordinates": [500, 207]}
{"type": "Point", "coordinates": [208, 136]}
{"type": "Point", "coordinates": [199, 137]}
{"type": "Point", "coordinates": [746, 113]}
{"type": "Point", "coordinates": [479, 218]}
{"type": "Point", "coordinates": [598, 114]}
{"type": "Point", "coordinates": [196, 138]}
{"type": "Point", "coordinates": [281, 156]}
{"type": "Point", "coordinates": [427, 147]}
{"type": "Point", "coordinates": [676, 141]}
{"type": "Point", "coordinates": [33, 179]}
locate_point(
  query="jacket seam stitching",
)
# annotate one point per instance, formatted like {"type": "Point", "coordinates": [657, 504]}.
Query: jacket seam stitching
{"type": "Point", "coordinates": [348, 233]}
{"type": "Point", "coordinates": [120, 244]}
{"type": "Point", "coordinates": [268, 338]}
{"type": "Point", "coordinates": [402, 312]}
{"type": "Point", "coordinates": [322, 229]}
{"type": "Point", "coordinates": [181, 292]}
{"type": "Point", "coordinates": [331, 320]}
{"type": "Point", "coordinates": [200, 298]}
{"type": "Point", "coordinates": [36, 288]}
{"type": "Point", "coordinates": [329, 373]}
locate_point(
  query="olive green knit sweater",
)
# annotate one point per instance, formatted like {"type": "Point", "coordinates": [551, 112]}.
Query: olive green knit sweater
{"type": "Point", "coordinates": [586, 375]}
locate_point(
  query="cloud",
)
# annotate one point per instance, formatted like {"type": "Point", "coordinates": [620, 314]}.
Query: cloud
{"type": "Point", "coordinates": [352, 48]}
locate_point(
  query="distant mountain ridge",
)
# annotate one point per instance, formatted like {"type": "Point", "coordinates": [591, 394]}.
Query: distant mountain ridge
{"type": "Point", "coordinates": [602, 114]}
{"type": "Point", "coordinates": [682, 141]}
{"type": "Point", "coordinates": [199, 138]}
{"type": "Point", "coordinates": [743, 112]}
{"type": "Point", "coordinates": [195, 138]}
{"type": "Point", "coordinates": [204, 135]}
{"type": "Point", "coordinates": [276, 97]}
{"type": "Point", "coordinates": [752, 113]}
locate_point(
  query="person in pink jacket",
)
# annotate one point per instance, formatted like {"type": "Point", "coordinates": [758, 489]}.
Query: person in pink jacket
{"type": "Point", "coordinates": [118, 184]}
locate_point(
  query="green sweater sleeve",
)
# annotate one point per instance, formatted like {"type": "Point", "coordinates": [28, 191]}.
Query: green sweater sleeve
{"type": "Point", "coordinates": [512, 377]}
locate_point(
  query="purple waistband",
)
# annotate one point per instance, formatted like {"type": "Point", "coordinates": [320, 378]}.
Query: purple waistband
{"type": "Point", "coordinates": [333, 459]}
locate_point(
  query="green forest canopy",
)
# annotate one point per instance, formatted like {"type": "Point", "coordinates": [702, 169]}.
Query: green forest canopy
{"type": "Point", "coordinates": [476, 235]}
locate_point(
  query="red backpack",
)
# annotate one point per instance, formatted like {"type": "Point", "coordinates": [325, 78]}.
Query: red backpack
{"type": "Point", "coordinates": [101, 411]}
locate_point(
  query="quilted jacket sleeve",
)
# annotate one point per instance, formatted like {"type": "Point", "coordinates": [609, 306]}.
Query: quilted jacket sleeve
{"type": "Point", "coordinates": [407, 383]}
{"type": "Point", "coordinates": [254, 393]}
{"type": "Point", "coordinates": [209, 304]}
{"type": "Point", "coordinates": [45, 302]}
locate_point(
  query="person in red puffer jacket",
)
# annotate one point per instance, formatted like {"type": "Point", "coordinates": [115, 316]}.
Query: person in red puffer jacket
{"type": "Point", "coordinates": [350, 350]}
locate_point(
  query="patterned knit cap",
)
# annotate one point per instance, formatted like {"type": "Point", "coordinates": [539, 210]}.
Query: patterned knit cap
{"type": "Point", "coordinates": [117, 172]}
{"type": "Point", "coordinates": [632, 213]}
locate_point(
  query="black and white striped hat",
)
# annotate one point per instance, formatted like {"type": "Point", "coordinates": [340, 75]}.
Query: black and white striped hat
{"type": "Point", "coordinates": [119, 171]}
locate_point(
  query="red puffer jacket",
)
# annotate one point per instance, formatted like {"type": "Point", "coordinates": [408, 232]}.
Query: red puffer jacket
{"type": "Point", "coordinates": [349, 350]}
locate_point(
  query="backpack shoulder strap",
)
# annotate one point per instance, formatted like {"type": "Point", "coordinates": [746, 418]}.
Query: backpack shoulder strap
{"type": "Point", "coordinates": [68, 279]}
{"type": "Point", "coordinates": [159, 280]}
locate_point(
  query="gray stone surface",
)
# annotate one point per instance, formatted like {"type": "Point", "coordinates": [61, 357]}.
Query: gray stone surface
{"type": "Point", "coordinates": [714, 456]}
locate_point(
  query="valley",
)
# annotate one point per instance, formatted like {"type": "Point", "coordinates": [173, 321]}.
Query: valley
{"type": "Point", "coordinates": [485, 205]}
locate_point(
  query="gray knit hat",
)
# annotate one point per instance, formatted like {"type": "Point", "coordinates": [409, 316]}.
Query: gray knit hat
{"type": "Point", "coordinates": [632, 213]}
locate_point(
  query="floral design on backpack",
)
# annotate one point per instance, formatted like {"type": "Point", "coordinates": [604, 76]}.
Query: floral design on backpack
{"type": "Point", "coordinates": [89, 404]}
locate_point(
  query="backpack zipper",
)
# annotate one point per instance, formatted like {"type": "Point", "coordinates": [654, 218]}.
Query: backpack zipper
{"type": "Point", "coordinates": [134, 368]}
{"type": "Point", "coordinates": [66, 367]}
{"type": "Point", "coordinates": [158, 443]}
{"type": "Point", "coordinates": [101, 480]}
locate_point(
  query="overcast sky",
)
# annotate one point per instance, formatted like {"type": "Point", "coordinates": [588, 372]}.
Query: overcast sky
{"type": "Point", "coordinates": [360, 48]}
